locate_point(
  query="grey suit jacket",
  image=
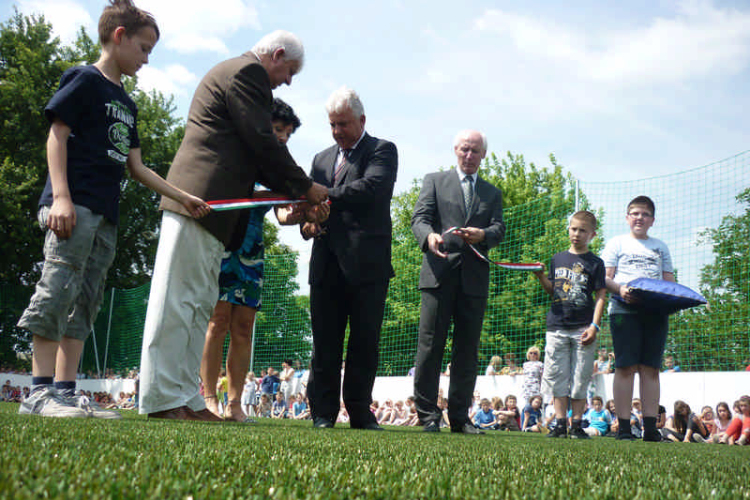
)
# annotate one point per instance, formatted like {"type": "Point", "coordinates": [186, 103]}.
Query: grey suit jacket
{"type": "Point", "coordinates": [358, 231]}
{"type": "Point", "coordinates": [439, 207]}
{"type": "Point", "coordinates": [229, 145]}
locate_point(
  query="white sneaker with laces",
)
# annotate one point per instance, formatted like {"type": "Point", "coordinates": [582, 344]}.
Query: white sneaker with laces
{"type": "Point", "coordinates": [93, 408]}
{"type": "Point", "coordinates": [48, 403]}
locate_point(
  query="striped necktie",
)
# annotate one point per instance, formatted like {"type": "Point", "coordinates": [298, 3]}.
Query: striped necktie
{"type": "Point", "coordinates": [341, 164]}
{"type": "Point", "coordinates": [468, 186]}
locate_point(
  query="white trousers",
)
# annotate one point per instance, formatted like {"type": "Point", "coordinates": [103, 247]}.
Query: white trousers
{"type": "Point", "coordinates": [184, 290]}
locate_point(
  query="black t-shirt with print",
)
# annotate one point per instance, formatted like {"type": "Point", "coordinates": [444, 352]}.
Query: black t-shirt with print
{"type": "Point", "coordinates": [102, 119]}
{"type": "Point", "coordinates": [575, 278]}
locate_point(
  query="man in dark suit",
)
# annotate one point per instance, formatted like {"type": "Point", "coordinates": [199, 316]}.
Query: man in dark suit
{"type": "Point", "coordinates": [228, 145]}
{"type": "Point", "coordinates": [453, 280]}
{"type": "Point", "coordinates": [350, 266]}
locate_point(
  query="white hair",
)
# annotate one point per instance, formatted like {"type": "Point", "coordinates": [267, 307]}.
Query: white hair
{"type": "Point", "coordinates": [280, 39]}
{"type": "Point", "coordinates": [342, 99]}
{"type": "Point", "coordinates": [462, 135]}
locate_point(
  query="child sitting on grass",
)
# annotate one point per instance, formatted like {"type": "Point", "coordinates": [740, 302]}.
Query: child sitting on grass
{"type": "Point", "coordinates": [508, 417]}
{"type": "Point", "coordinates": [738, 431]}
{"type": "Point", "coordinates": [485, 418]}
{"type": "Point", "coordinates": [598, 418]}
{"type": "Point", "coordinates": [532, 415]}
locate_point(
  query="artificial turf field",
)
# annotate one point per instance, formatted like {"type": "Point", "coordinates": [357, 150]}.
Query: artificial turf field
{"type": "Point", "coordinates": [139, 458]}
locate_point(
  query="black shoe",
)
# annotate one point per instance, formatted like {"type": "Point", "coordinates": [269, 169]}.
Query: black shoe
{"type": "Point", "coordinates": [654, 437]}
{"type": "Point", "coordinates": [322, 423]}
{"type": "Point", "coordinates": [370, 426]}
{"type": "Point", "coordinates": [625, 436]}
{"type": "Point", "coordinates": [578, 433]}
{"type": "Point", "coordinates": [559, 432]}
{"type": "Point", "coordinates": [467, 428]}
{"type": "Point", "coordinates": [431, 426]}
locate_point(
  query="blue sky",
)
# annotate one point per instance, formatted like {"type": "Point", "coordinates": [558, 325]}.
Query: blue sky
{"type": "Point", "coordinates": [616, 90]}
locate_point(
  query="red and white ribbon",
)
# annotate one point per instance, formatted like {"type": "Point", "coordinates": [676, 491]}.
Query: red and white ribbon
{"type": "Point", "coordinates": [240, 203]}
{"type": "Point", "coordinates": [513, 266]}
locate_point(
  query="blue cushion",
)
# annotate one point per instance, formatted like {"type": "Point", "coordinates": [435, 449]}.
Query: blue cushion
{"type": "Point", "coordinates": [663, 296]}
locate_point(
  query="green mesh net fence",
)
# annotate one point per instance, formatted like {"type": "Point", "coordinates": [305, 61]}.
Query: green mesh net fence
{"type": "Point", "coordinates": [703, 215]}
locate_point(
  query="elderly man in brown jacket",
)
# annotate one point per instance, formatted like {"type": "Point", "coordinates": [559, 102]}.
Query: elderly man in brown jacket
{"type": "Point", "coordinates": [228, 146]}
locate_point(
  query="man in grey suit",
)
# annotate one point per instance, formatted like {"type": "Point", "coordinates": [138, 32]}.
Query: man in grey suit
{"type": "Point", "coordinates": [228, 146]}
{"type": "Point", "coordinates": [350, 266]}
{"type": "Point", "coordinates": [454, 281]}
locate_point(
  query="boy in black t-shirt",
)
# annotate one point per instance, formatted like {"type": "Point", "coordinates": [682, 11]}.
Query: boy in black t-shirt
{"type": "Point", "coordinates": [576, 283]}
{"type": "Point", "coordinates": [93, 137]}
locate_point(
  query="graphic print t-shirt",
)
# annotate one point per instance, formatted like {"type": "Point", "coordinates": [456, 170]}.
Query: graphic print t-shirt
{"type": "Point", "coordinates": [574, 280]}
{"type": "Point", "coordinates": [102, 119]}
{"type": "Point", "coordinates": [633, 259]}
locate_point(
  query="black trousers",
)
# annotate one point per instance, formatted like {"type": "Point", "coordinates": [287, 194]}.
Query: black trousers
{"type": "Point", "coordinates": [333, 303]}
{"type": "Point", "coordinates": [440, 306]}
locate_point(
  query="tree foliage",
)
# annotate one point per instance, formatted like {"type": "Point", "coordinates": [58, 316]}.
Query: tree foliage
{"type": "Point", "coordinates": [719, 335]}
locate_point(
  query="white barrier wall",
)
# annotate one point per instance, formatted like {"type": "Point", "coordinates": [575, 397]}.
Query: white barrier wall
{"type": "Point", "coordinates": [695, 388]}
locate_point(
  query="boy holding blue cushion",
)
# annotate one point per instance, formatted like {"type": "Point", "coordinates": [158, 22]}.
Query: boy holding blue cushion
{"type": "Point", "coordinates": [639, 336]}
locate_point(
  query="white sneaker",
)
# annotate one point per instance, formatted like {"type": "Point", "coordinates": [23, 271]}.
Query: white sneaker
{"type": "Point", "coordinates": [48, 403]}
{"type": "Point", "coordinates": [93, 408]}
{"type": "Point", "coordinates": [698, 438]}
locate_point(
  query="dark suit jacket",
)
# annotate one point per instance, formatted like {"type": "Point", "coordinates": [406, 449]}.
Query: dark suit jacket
{"type": "Point", "coordinates": [439, 207]}
{"type": "Point", "coordinates": [358, 231]}
{"type": "Point", "coordinates": [229, 145]}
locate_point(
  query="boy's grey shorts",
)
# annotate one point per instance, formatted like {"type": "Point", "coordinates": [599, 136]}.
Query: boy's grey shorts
{"type": "Point", "coordinates": [70, 291]}
{"type": "Point", "coordinates": [568, 365]}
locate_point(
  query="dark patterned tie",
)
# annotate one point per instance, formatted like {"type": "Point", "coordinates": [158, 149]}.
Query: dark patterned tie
{"type": "Point", "coordinates": [468, 186]}
{"type": "Point", "coordinates": [341, 164]}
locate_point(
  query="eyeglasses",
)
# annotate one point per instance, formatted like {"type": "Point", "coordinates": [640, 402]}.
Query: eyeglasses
{"type": "Point", "coordinates": [636, 215]}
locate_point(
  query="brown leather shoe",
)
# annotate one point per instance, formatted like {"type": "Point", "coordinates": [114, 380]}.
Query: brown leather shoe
{"type": "Point", "coordinates": [179, 413]}
{"type": "Point", "coordinates": [205, 415]}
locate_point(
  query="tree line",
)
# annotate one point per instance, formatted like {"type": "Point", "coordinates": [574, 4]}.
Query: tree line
{"type": "Point", "coordinates": [537, 203]}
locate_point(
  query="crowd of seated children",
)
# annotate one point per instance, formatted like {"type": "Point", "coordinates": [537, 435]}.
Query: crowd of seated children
{"type": "Point", "coordinates": [401, 413]}
{"type": "Point", "coordinates": [398, 414]}
{"type": "Point", "coordinates": [13, 394]}
{"type": "Point", "coordinates": [738, 430]}
{"type": "Point", "coordinates": [384, 413]}
{"type": "Point", "coordinates": [683, 425]}
{"type": "Point", "coordinates": [412, 418]}
{"type": "Point", "coordinates": [125, 401]}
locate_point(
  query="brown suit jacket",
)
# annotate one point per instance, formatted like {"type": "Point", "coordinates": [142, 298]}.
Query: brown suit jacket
{"type": "Point", "coordinates": [229, 145]}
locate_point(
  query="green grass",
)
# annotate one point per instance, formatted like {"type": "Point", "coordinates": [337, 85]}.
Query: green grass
{"type": "Point", "coordinates": [139, 458]}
